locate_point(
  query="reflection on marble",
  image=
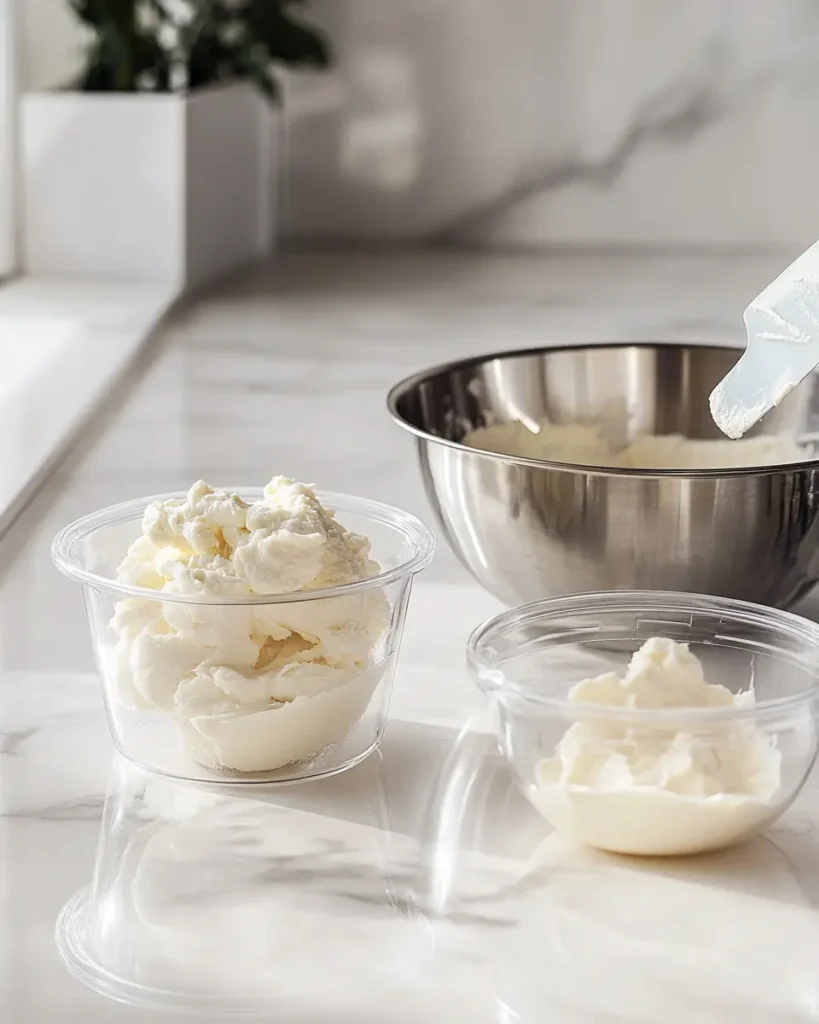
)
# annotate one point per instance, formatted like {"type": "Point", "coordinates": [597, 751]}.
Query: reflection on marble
{"type": "Point", "coordinates": [362, 898]}
{"type": "Point", "coordinates": [442, 861]}
{"type": "Point", "coordinates": [538, 122]}
{"type": "Point", "coordinates": [212, 898]}
{"type": "Point", "coordinates": [725, 936]}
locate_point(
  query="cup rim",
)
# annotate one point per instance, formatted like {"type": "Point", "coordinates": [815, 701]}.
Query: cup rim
{"type": "Point", "coordinates": [492, 680]}
{"type": "Point", "coordinates": [420, 536]}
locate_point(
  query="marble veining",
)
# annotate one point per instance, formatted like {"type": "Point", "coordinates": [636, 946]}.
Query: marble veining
{"type": "Point", "coordinates": [672, 115]}
{"type": "Point", "coordinates": [420, 886]}
{"type": "Point", "coordinates": [541, 122]}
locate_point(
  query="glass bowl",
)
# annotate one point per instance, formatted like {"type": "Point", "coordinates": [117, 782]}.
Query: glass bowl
{"type": "Point", "coordinates": [652, 780]}
{"type": "Point", "coordinates": [314, 732]}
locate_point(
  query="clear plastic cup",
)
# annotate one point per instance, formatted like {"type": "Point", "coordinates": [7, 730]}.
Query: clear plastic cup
{"type": "Point", "coordinates": [528, 659]}
{"type": "Point", "coordinates": [314, 733]}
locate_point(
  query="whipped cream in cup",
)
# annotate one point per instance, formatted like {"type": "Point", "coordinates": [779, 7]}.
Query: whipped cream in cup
{"type": "Point", "coordinates": [250, 634]}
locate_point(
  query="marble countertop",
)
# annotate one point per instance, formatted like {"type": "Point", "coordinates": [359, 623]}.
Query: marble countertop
{"type": "Point", "coordinates": [419, 886]}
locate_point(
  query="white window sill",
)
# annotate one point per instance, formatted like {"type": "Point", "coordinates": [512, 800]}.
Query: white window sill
{"type": "Point", "coordinates": [63, 343]}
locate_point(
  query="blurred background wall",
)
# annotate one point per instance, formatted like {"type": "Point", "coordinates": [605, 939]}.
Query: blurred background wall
{"type": "Point", "coordinates": [51, 43]}
{"type": "Point", "coordinates": [545, 122]}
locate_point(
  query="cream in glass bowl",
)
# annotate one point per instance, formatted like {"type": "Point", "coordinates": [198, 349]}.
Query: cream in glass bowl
{"type": "Point", "coordinates": [653, 723]}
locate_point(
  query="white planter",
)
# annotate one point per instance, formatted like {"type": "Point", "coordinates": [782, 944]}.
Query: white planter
{"type": "Point", "coordinates": [147, 187]}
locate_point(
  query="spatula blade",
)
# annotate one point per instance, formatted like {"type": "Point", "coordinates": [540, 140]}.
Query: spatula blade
{"type": "Point", "coordinates": [782, 327]}
{"type": "Point", "coordinates": [757, 383]}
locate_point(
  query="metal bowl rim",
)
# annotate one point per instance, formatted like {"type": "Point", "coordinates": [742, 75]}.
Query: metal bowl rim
{"type": "Point", "coordinates": [403, 387]}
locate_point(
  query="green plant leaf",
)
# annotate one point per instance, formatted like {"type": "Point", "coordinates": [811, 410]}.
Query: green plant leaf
{"type": "Point", "coordinates": [126, 50]}
{"type": "Point", "coordinates": [287, 38]}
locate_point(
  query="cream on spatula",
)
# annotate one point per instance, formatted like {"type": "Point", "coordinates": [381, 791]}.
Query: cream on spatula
{"type": "Point", "coordinates": [782, 328]}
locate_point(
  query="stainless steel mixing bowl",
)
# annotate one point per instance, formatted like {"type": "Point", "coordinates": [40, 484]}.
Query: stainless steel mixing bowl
{"type": "Point", "coordinates": [528, 529]}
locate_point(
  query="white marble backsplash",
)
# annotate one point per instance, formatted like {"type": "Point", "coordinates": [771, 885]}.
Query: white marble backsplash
{"type": "Point", "coordinates": [543, 122]}
{"type": "Point", "coordinates": [549, 122]}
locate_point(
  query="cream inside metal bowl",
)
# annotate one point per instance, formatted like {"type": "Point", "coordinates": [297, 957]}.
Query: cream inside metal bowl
{"type": "Point", "coordinates": [529, 529]}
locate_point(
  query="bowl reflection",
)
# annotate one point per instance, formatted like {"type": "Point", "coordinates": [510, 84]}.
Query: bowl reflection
{"type": "Point", "coordinates": [596, 936]}
{"type": "Point", "coordinates": [217, 900]}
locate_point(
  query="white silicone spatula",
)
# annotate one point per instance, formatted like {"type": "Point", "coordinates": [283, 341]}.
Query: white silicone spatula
{"type": "Point", "coordinates": [782, 327]}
